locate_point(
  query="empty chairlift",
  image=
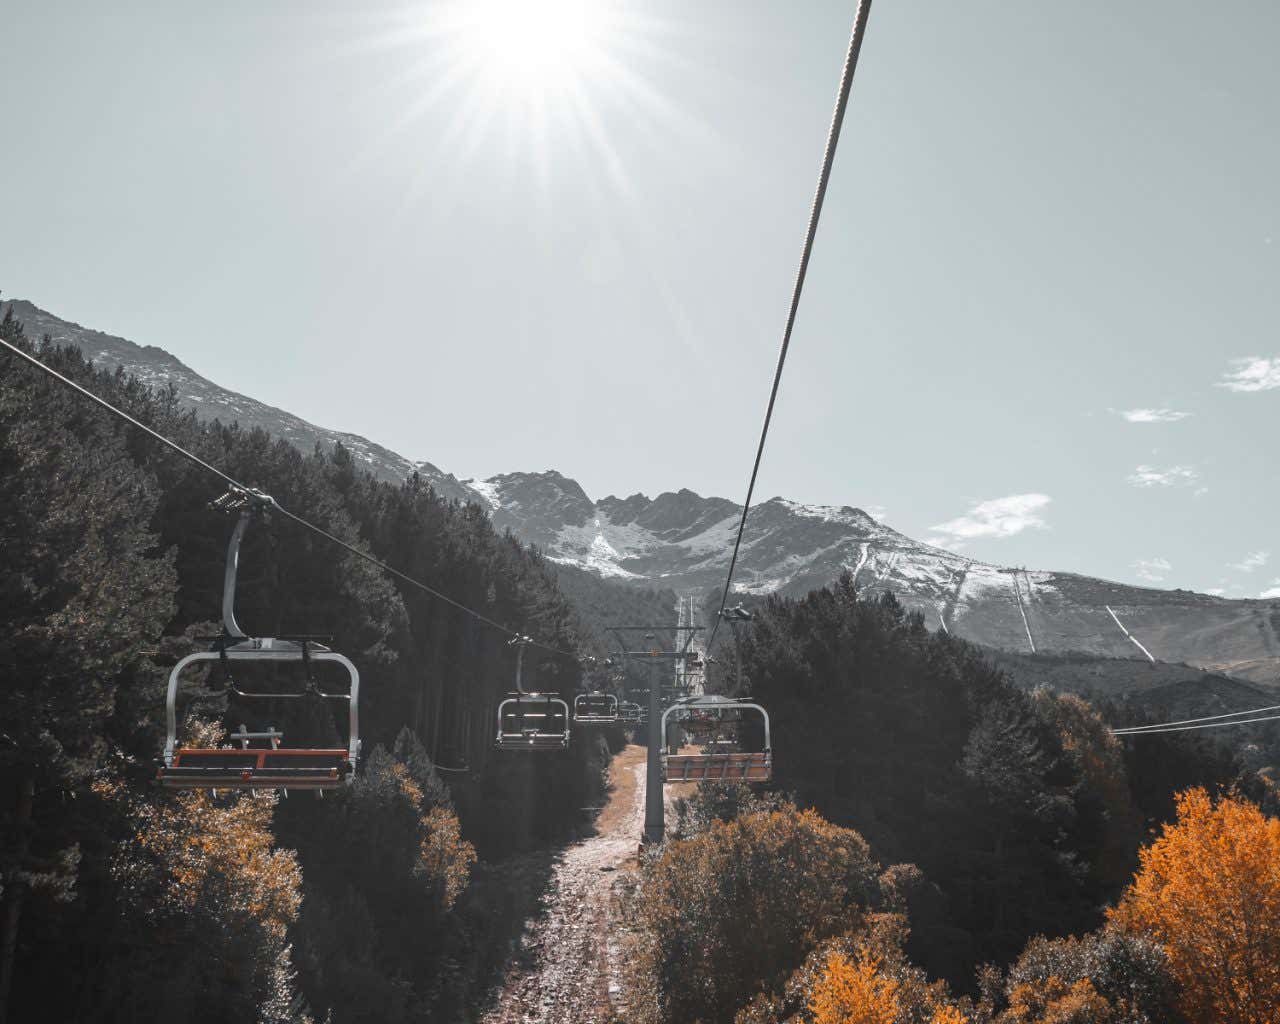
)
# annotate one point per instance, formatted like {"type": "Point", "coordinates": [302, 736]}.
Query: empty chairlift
{"type": "Point", "coordinates": [259, 759]}
{"type": "Point", "coordinates": [595, 708]}
{"type": "Point", "coordinates": [531, 721]}
{"type": "Point", "coordinates": [717, 724]}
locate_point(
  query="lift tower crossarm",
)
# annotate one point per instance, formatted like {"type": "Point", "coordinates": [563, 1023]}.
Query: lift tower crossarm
{"type": "Point", "coordinates": [654, 810]}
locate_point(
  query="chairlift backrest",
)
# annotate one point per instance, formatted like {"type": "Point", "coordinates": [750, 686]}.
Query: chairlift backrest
{"type": "Point", "coordinates": [531, 721]}
{"type": "Point", "coordinates": [716, 713]}
{"type": "Point", "coordinates": [595, 708]}
{"type": "Point", "coordinates": [268, 765]}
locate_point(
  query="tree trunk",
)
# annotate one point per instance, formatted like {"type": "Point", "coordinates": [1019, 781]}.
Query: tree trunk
{"type": "Point", "coordinates": [15, 890]}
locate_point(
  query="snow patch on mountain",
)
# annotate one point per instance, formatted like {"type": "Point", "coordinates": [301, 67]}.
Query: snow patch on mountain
{"type": "Point", "coordinates": [486, 490]}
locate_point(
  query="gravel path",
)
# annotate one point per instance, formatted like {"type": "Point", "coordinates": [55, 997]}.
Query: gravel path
{"type": "Point", "coordinates": [560, 974]}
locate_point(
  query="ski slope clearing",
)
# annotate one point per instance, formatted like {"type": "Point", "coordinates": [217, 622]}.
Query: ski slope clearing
{"type": "Point", "coordinates": [562, 969]}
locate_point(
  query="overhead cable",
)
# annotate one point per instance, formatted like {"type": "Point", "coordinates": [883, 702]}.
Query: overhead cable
{"type": "Point", "coordinates": [1190, 721]}
{"type": "Point", "coordinates": [833, 137]}
{"type": "Point", "coordinates": [1190, 728]}
{"type": "Point", "coordinates": [275, 506]}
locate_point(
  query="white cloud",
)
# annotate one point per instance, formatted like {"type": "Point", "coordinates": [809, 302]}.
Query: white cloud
{"type": "Point", "coordinates": [876, 512]}
{"type": "Point", "coordinates": [1253, 560]}
{"type": "Point", "coordinates": [1272, 591]}
{"type": "Point", "coordinates": [1152, 570]}
{"type": "Point", "coordinates": [1153, 415]}
{"type": "Point", "coordinates": [1216, 591]}
{"type": "Point", "coordinates": [999, 517]}
{"type": "Point", "coordinates": [1255, 373]}
{"type": "Point", "coordinates": [1174, 476]}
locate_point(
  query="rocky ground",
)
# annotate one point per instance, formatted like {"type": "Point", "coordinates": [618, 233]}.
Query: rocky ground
{"type": "Point", "coordinates": [561, 972]}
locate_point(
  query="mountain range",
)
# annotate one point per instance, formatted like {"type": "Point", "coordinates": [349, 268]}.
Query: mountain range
{"type": "Point", "coordinates": [682, 541]}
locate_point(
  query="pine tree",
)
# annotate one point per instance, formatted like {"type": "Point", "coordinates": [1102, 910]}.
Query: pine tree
{"type": "Point", "coordinates": [83, 590]}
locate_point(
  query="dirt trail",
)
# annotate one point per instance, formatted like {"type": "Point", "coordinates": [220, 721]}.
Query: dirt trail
{"type": "Point", "coordinates": [561, 971]}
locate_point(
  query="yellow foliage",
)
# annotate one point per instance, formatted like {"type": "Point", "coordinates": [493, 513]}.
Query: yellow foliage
{"type": "Point", "coordinates": [1056, 1002]}
{"type": "Point", "coordinates": [445, 855]}
{"type": "Point", "coordinates": [1208, 890]}
{"type": "Point", "coordinates": [854, 992]}
{"type": "Point", "coordinates": [948, 1015]}
{"type": "Point", "coordinates": [213, 855]}
{"type": "Point", "coordinates": [737, 908]}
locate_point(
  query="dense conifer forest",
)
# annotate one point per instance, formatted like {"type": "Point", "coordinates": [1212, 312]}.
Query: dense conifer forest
{"type": "Point", "coordinates": [125, 904]}
{"type": "Point", "coordinates": [937, 844]}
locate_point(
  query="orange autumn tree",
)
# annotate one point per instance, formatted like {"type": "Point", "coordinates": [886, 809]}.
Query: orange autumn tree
{"type": "Point", "coordinates": [1056, 1002]}
{"type": "Point", "coordinates": [861, 977]}
{"type": "Point", "coordinates": [854, 992]}
{"type": "Point", "coordinates": [1208, 890]}
{"type": "Point", "coordinates": [205, 901]}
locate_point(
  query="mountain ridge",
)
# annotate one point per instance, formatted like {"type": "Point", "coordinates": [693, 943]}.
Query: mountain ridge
{"type": "Point", "coordinates": [681, 541]}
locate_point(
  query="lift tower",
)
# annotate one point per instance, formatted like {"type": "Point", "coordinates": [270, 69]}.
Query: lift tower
{"type": "Point", "coordinates": [654, 823]}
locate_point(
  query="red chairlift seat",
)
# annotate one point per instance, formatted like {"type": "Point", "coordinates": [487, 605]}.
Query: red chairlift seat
{"type": "Point", "coordinates": [756, 766]}
{"type": "Point", "coordinates": [228, 768]}
{"type": "Point", "coordinates": [270, 766]}
{"type": "Point", "coordinates": [711, 764]}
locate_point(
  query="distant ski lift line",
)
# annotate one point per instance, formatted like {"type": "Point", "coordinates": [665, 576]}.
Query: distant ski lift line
{"type": "Point", "coordinates": [1158, 730]}
{"type": "Point", "coordinates": [815, 213]}
{"type": "Point", "coordinates": [1131, 637]}
{"type": "Point", "coordinates": [275, 506]}
{"type": "Point", "coordinates": [1136, 729]}
{"type": "Point", "coordinates": [1017, 592]}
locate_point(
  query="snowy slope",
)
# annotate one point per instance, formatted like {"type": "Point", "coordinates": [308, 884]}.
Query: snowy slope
{"type": "Point", "coordinates": [681, 540]}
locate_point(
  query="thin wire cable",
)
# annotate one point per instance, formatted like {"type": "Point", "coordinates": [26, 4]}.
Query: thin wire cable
{"type": "Point", "coordinates": [1189, 721]}
{"type": "Point", "coordinates": [1188, 728]}
{"type": "Point", "coordinates": [121, 413]}
{"type": "Point", "coordinates": [833, 137]}
{"type": "Point", "coordinates": [275, 506]}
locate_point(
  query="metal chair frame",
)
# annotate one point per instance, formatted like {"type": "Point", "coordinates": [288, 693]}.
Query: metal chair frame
{"type": "Point", "coordinates": [537, 738]}
{"type": "Point", "coordinates": [752, 766]}
{"type": "Point", "coordinates": [272, 766]}
{"type": "Point", "coordinates": [586, 708]}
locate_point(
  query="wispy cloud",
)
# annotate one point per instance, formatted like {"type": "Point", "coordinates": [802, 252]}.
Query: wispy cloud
{"type": "Point", "coordinates": [1272, 591]}
{"type": "Point", "coordinates": [1254, 373]}
{"type": "Point", "coordinates": [1152, 570]}
{"type": "Point", "coordinates": [999, 517]}
{"type": "Point", "coordinates": [1253, 560]}
{"type": "Point", "coordinates": [1216, 591]}
{"type": "Point", "coordinates": [1174, 476]}
{"type": "Point", "coordinates": [1153, 415]}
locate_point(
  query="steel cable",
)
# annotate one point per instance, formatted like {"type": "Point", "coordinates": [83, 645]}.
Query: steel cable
{"type": "Point", "coordinates": [275, 506]}
{"type": "Point", "coordinates": [833, 138]}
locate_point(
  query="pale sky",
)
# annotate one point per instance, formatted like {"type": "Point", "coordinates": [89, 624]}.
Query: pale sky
{"type": "Point", "coordinates": [1041, 320]}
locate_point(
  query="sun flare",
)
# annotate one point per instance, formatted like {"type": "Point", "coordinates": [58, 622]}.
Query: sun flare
{"type": "Point", "coordinates": [539, 45]}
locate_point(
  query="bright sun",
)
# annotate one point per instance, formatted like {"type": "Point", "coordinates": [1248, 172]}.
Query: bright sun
{"type": "Point", "coordinates": [547, 78]}
{"type": "Point", "coordinates": [542, 45]}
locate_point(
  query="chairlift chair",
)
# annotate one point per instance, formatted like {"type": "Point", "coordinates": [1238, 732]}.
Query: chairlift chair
{"type": "Point", "coordinates": [531, 721]}
{"type": "Point", "coordinates": [595, 708]}
{"type": "Point", "coordinates": [714, 763]}
{"type": "Point", "coordinates": [258, 760]}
